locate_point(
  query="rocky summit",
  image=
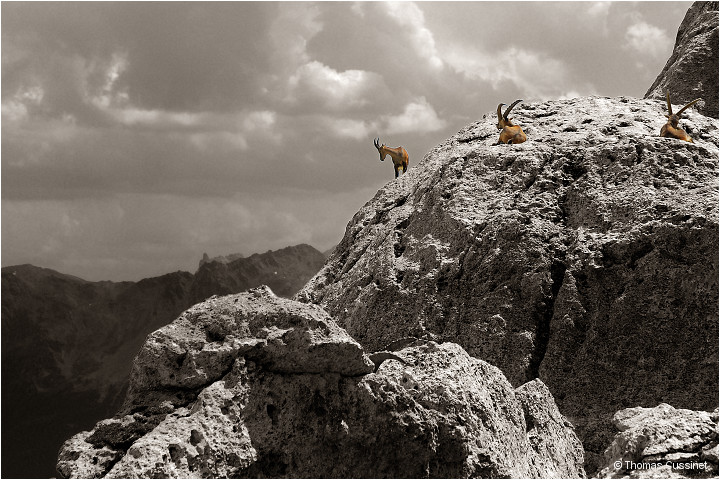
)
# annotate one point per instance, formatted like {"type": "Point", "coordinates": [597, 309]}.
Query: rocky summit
{"type": "Point", "coordinates": [586, 257]}
{"type": "Point", "coordinates": [252, 385]}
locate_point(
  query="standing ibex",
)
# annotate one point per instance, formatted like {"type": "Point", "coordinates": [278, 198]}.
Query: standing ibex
{"type": "Point", "coordinates": [399, 156]}
{"type": "Point", "coordinates": [672, 128]}
{"type": "Point", "coordinates": [510, 133]}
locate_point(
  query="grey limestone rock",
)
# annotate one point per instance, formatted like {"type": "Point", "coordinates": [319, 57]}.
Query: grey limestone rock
{"type": "Point", "coordinates": [586, 257]}
{"type": "Point", "coordinates": [663, 442]}
{"type": "Point", "coordinates": [252, 385]}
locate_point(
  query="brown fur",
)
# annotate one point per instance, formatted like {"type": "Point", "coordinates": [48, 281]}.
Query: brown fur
{"type": "Point", "coordinates": [672, 128]}
{"type": "Point", "coordinates": [510, 133]}
{"type": "Point", "coordinates": [399, 156]}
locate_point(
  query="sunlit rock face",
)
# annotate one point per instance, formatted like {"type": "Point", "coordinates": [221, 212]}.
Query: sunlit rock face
{"type": "Point", "coordinates": [252, 385]}
{"type": "Point", "coordinates": [692, 70]}
{"type": "Point", "coordinates": [663, 442]}
{"type": "Point", "coordinates": [586, 257]}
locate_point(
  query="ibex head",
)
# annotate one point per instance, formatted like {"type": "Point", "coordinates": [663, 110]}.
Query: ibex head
{"type": "Point", "coordinates": [503, 120]}
{"type": "Point", "coordinates": [674, 119]}
{"type": "Point", "coordinates": [380, 148]}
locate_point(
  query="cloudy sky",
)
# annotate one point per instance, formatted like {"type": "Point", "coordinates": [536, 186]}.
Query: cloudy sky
{"type": "Point", "coordinates": [136, 136]}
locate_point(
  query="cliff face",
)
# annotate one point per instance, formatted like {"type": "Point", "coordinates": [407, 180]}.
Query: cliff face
{"type": "Point", "coordinates": [586, 256]}
{"type": "Point", "coordinates": [252, 385]}
{"type": "Point", "coordinates": [67, 343]}
{"type": "Point", "coordinates": [692, 69]}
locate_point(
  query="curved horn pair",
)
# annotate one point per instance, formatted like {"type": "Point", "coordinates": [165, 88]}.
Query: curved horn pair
{"type": "Point", "coordinates": [507, 112]}
{"type": "Point", "coordinates": [667, 95]}
{"type": "Point", "coordinates": [377, 143]}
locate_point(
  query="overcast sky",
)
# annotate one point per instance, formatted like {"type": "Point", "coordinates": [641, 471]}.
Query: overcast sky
{"type": "Point", "coordinates": [136, 136]}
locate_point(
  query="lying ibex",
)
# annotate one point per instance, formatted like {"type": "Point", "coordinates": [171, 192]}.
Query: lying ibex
{"type": "Point", "coordinates": [399, 156]}
{"type": "Point", "coordinates": [510, 133]}
{"type": "Point", "coordinates": [672, 129]}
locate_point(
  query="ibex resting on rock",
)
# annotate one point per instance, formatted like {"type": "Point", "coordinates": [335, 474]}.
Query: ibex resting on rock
{"type": "Point", "coordinates": [399, 156]}
{"type": "Point", "coordinates": [510, 133]}
{"type": "Point", "coordinates": [672, 128]}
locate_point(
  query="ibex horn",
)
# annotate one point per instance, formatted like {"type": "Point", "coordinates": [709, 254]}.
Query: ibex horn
{"type": "Point", "coordinates": [505, 116]}
{"type": "Point", "coordinates": [688, 105]}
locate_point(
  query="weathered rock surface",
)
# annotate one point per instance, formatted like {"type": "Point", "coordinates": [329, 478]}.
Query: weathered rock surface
{"type": "Point", "coordinates": [586, 256]}
{"type": "Point", "coordinates": [68, 343]}
{"type": "Point", "coordinates": [663, 442]}
{"type": "Point", "coordinates": [692, 69]}
{"type": "Point", "coordinates": [252, 385]}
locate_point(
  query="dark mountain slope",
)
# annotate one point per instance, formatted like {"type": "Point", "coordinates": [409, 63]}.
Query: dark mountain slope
{"type": "Point", "coordinates": [285, 271]}
{"type": "Point", "coordinates": [67, 343]}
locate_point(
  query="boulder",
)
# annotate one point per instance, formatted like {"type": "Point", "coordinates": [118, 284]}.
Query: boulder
{"type": "Point", "coordinates": [252, 385]}
{"type": "Point", "coordinates": [692, 69]}
{"type": "Point", "coordinates": [201, 346]}
{"type": "Point", "coordinates": [663, 442]}
{"type": "Point", "coordinates": [584, 257]}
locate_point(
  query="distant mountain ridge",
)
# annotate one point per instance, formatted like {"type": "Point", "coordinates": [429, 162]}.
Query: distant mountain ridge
{"type": "Point", "coordinates": [284, 271]}
{"type": "Point", "coordinates": [221, 258]}
{"type": "Point", "coordinates": [68, 343]}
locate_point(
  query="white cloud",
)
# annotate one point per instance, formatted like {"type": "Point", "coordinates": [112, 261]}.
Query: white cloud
{"type": "Point", "coordinates": [235, 132]}
{"type": "Point", "coordinates": [15, 109]}
{"type": "Point", "coordinates": [333, 89]}
{"type": "Point", "coordinates": [597, 16]}
{"type": "Point", "coordinates": [300, 79]}
{"type": "Point", "coordinates": [411, 21]}
{"type": "Point", "coordinates": [259, 121]}
{"type": "Point", "coordinates": [107, 95]}
{"type": "Point", "coordinates": [648, 39]}
{"type": "Point", "coordinates": [206, 131]}
{"type": "Point", "coordinates": [132, 116]}
{"type": "Point", "coordinates": [217, 141]}
{"type": "Point", "coordinates": [598, 9]}
{"type": "Point", "coordinates": [537, 75]}
{"type": "Point", "coordinates": [357, 9]}
{"type": "Point", "coordinates": [292, 28]}
{"type": "Point", "coordinates": [418, 116]}
{"type": "Point", "coordinates": [347, 128]}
